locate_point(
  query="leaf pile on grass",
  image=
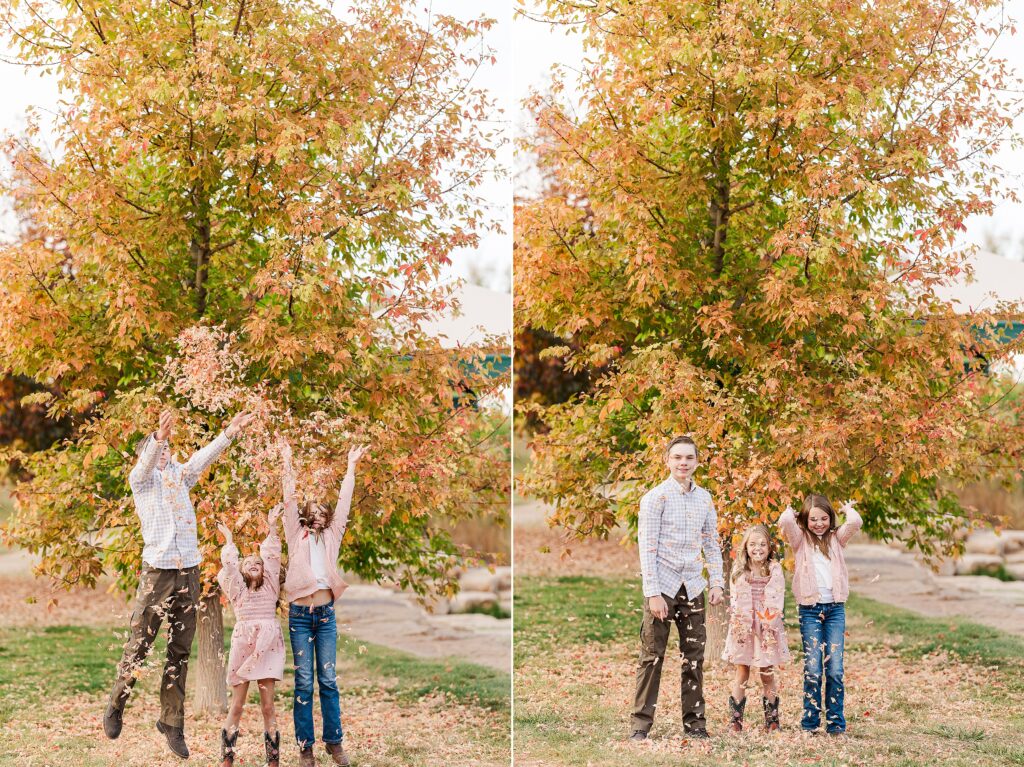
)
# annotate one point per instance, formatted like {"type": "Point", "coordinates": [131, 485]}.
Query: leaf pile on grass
{"type": "Point", "coordinates": [908, 702]}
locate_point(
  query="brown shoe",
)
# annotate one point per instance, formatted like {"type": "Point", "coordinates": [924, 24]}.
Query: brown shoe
{"type": "Point", "coordinates": [175, 739]}
{"type": "Point", "coordinates": [306, 758]}
{"type": "Point", "coordinates": [337, 754]}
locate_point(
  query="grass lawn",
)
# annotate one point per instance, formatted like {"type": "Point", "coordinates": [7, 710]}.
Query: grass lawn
{"type": "Point", "coordinates": [918, 691]}
{"type": "Point", "coordinates": [397, 709]}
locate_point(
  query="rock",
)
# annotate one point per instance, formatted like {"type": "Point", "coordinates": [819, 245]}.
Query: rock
{"type": "Point", "coordinates": [465, 601]}
{"type": "Point", "coordinates": [437, 605]}
{"type": "Point", "coordinates": [945, 567]}
{"type": "Point", "coordinates": [978, 564]}
{"type": "Point", "coordinates": [1016, 558]}
{"type": "Point", "coordinates": [985, 542]}
{"type": "Point", "coordinates": [1014, 541]}
{"type": "Point", "coordinates": [478, 579]}
{"type": "Point", "coordinates": [1016, 570]}
{"type": "Point", "coordinates": [503, 576]}
{"type": "Point", "coordinates": [505, 600]}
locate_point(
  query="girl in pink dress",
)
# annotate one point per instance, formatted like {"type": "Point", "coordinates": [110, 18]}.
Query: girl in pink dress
{"type": "Point", "coordinates": [257, 644]}
{"type": "Point", "coordinates": [757, 638]}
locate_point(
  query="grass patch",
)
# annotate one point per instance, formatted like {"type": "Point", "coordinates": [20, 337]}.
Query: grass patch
{"type": "Point", "coordinates": [919, 636]}
{"type": "Point", "coordinates": [576, 640]}
{"type": "Point", "coordinates": [573, 610]}
{"type": "Point", "coordinates": [54, 661]}
{"type": "Point", "coordinates": [494, 610]}
{"type": "Point", "coordinates": [411, 677]}
{"type": "Point", "coordinates": [965, 734]}
{"type": "Point", "coordinates": [62, 661]}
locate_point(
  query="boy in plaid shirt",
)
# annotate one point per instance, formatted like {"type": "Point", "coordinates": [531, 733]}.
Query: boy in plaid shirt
{"type": "Point", "coordinates": [677, 524]}
{"type": "Point", "coordinates": [169, 582]}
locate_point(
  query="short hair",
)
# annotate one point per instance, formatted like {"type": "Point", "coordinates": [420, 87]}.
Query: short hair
{"type": "Point", "coordinates": [684, 440]}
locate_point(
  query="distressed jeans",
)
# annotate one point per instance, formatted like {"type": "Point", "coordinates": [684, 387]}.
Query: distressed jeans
{"type": "Point", "coordinates": [314, 637]}
{"type": "Point", "coordinates": [822, 627]}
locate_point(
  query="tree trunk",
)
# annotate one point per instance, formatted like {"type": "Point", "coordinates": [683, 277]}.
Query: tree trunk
{"type": "Point", "coordinates": [718, 210]}
{"type": "Point", "coordinates": [717, 617]}
{"type": "Point", "coordinates": [211, 692]}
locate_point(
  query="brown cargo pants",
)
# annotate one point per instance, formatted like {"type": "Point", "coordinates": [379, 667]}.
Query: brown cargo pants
{"type": "Point", "coordinates": [163, 594]}
{"type": "Point", "coordinates": [688, 615]}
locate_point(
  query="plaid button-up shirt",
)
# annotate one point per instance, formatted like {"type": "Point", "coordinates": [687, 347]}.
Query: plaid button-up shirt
{"type": "Point", "coordinates": [675, 527]}
{"type": "Point", "coordinates": [164, 507]}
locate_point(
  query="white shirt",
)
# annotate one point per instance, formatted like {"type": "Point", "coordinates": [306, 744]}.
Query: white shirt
{"type": "Point", "coordinates": [678, 536]}
{"type": "Point", "coordinates": [318, 560]}
{"type": "Point", "coordinates": [823, 573]}
{"type": "Point", "coordinates": [165, 510]}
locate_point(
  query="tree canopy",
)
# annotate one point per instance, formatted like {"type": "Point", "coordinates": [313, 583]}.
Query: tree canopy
{"type": "Point", "coordinates": [744, 225]}
{"type": "Point", "coordinates": [250, 204]}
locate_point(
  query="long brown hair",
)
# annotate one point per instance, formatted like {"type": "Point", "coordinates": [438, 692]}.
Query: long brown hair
{"type": "Point", "coordinates": [818, 501]}
{"type": "Point", "coordinates": [742, 563]}
{"type": "Point", "coordinates": [308, 510]}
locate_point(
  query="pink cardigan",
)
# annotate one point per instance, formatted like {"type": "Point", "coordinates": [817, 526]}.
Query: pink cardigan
{"type": "Point", "coordinates": [300, 581]}
{"type": "Point", "coordinates": [741, 609]}
{"type": "Point", "coordinates": [805, 583]}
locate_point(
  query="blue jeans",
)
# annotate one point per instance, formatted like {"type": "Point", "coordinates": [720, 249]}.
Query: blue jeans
{"type": "Point", "coordinates": [314, 631]}
{"type": "Point", "coordinates": [822, 627]}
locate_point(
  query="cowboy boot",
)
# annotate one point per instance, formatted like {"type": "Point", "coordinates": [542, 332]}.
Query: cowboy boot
{"type": "Point", "coordinates": [337, 754]}
{"type": "Point", "coordinates": [736, 710]}
{"type": "Point", "coordinates": [306, 758]}
{"type": "Point", "coordinates": [771, 715]}
{"type": "Point", "coordinates": [273, 748]}
{"type": "Point", "coordinates": [227, 748]}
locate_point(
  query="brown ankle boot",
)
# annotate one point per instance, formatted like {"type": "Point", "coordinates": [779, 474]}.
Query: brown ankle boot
{"type": "Point", "coordinates": [306, 758]}
{"type": "Point", "coordinates": [227, 748]}
{"type": "Point", "coordinates": [736, 712]}
{"type": "Point", "coordinates": [273, 747]}
{"type": "Point", "coordinates": [771, 715]}
{"type": "Point", "coordinates": [337, 754]}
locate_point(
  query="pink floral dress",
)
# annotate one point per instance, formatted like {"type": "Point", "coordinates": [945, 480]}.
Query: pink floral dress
{"type": "Point", "coordinates": [756, 635]}
{"type": "Point", "coordinates": [257, 644]}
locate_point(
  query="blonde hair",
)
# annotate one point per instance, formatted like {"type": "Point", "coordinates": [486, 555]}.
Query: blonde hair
{"type": "Point", "coordinates": [741, 565]}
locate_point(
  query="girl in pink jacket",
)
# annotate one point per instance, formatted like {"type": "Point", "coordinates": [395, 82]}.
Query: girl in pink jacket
{"type": "Point", "coordinates": [757, 638]}
{"type": "Point", "coordinates": [257, 644]}
{"type": "Point", "coordinates": [821, 586]}
{"type": "Point", "coordinates": [314, 533]}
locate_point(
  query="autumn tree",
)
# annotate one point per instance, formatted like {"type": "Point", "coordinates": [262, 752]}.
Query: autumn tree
{"type": "Point", "coordinates": [255, 201]}
{"type": "Point", "coordinates": [753, 207]}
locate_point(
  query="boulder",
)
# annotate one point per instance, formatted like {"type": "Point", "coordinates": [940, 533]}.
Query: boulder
{"type": "Point", "coordinates": [1014, 541]}
{"type": "Point", "coordinates": [478, 579]}
{"type": "Point", "coordinates": [505, 600]}
{"type": "Point", "coordinates": [437, 605]}
{"type": "Point", "coordinates": [978, 564]}
{"type": "Point", "coordinates": [503, 576]}
{"type": "Point", "coordinates": [985, 542]}
{"type": "Point", "coordinates": [465, 601]}
{"type": "Point", "coordinates": [1016, 558]}
{"type": "Point", "coordinates": [1016, 570]}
